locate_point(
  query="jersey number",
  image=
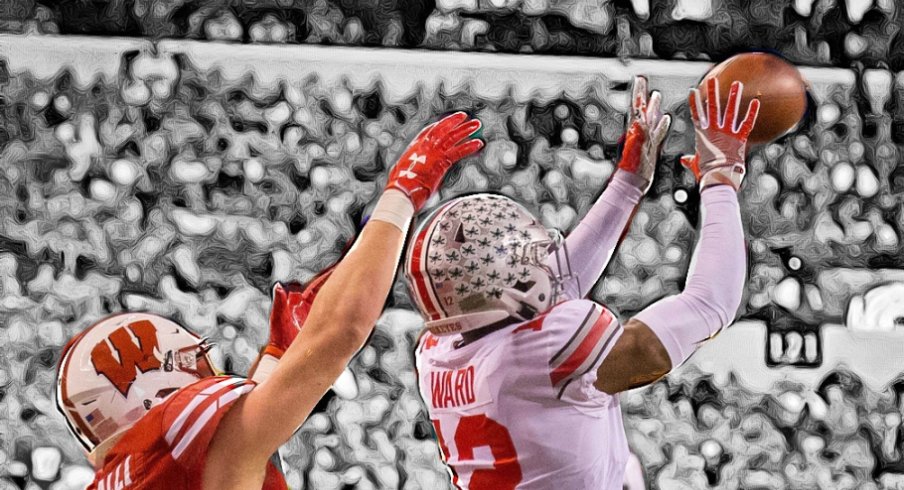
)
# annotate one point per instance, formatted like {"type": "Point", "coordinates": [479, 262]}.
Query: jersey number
{"type": "Point", "coordinates": [479, 430]}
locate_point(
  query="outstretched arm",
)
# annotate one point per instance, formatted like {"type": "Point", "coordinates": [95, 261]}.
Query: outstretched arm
{"type": "Point", "coordinates": [593, 241]}
{"type": "Point", "coordinates": [664, 335]}
{"type": "Point", "coordinates": [290, 308]}
{"type": "Point", "coordinates": [291, 303]}
{"type": "Point", "coordinates": [585, 253]}
{"type": "Point", "coordinates": [342, 315]}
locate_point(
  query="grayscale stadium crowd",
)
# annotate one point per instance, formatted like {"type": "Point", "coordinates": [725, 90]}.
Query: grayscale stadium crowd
{"type": "Point", "coordinates": [842, 33]}
{"type": "Point", "coordinates": [188, 196]}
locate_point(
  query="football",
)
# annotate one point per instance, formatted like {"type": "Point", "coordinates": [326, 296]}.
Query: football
{"type": "Point", "coordinates": [778, 84]}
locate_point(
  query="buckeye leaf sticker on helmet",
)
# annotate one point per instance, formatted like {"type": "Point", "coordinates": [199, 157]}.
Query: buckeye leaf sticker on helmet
{"type": "Point", "coordinates": [482, 259]}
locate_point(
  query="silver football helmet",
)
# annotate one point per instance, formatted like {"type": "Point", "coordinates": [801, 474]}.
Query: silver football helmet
{"type": "Point", "coordinates": [482, 259]}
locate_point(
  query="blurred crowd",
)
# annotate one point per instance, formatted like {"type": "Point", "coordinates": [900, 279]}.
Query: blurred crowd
{"type": "Point", "coordinates": [849, 33]}
{"type": "Point", "coordinates": [174, 191]}
{"type": "Point", "coordinates": [698, 433]}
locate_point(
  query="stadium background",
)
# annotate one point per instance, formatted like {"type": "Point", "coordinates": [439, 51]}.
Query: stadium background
{"type": "Point", "coordinates": [179, 156]}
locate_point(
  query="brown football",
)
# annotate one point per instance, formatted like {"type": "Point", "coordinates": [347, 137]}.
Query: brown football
{"type": "Point", "coordinates": [777, 83]}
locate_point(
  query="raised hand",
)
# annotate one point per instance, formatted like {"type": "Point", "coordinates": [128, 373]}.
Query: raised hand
{"type": "Point", "coordinates": [420, 169]}
{"type": "Point", "coordinates": [647, 127]}
{"type": "Point", "coordinates": [283, 326]}
{"type": "Point", "coordinates": [291, 304]}
{"type": "Point", "coordinates": [721, 143]}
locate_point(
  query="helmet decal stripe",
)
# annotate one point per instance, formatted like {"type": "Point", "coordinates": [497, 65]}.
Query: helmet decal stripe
{"type": "Point", "coordinates": [418, 274]}
{"type": "Point", "coordinates": [423, 257]}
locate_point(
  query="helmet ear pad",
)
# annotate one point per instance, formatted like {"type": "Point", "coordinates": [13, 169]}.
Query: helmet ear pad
{"type": "Point", "coordinates": [477, 260]}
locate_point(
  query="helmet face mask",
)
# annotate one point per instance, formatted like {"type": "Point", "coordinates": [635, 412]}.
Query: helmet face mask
{"type": "Point", "coordinates": [192, 359]}
{"type": "Point", "coordinates": [482, 259]}
{"type": "Point", "coordinates": [537, 254]}
{"type": "Point", "coordinates": [112, 373]}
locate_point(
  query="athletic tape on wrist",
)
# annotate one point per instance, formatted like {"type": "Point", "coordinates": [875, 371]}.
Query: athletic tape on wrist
{"type": "Point", "coordinates": [265, 367]}
{"type": "Point", "coordinates": [395, 208]}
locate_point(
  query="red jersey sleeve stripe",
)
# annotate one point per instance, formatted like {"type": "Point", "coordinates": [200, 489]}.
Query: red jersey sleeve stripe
{"type": "Point", "coordinates": [575, 339]}
{"type": "Point", "coordinates": [192, 406]}
{"type": "Point", "coordinates": [220, 403]}
{"type": "Point", "coordinates": [590, 346]}
{"type": "Point", "coordinates": [593, 359]}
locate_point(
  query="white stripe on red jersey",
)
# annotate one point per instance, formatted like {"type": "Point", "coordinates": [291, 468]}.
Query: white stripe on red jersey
{"type": "Point", "coordinates": [216, 403]}
{"type": "Point", "coordinates": [193, 404]}
{"type": "Point", "coordinates": [167, 447]}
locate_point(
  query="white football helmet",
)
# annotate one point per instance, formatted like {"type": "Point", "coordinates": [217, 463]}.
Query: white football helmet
{"type": "Point", "coordinates": [483, 259]}
{"type": "Point", "coordinates": [116, 370]}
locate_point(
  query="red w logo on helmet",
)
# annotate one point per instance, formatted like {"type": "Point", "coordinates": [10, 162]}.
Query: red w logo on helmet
{"type": "Point", "coordinates": [132, 356]}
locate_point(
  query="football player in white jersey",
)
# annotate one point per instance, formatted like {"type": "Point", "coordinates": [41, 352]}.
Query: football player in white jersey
{"type": "Point", "coordinates": [518, 371]}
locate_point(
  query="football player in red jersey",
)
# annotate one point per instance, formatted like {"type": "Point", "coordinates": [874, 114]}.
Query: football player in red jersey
{"type": "Point", "coordinates": [141, 394]}
{"type": "Point", "coordinates": [518, 371]}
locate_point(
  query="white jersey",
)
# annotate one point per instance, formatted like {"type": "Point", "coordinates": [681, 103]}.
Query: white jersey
{"type": "Point", "coordinates": [518, 409]}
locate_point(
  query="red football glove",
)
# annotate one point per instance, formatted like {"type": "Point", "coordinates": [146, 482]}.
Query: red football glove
{"type": "Point", "coordinates": [291, 305]}
{"type": "Point", "coordinates": [647, 127]}
{"type": "Point", "coordinates": [721, 149]}
{"type": "Point", "coordinates": [421, 167]}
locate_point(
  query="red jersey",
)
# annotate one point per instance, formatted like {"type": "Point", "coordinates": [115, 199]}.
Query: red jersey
{"type": "Point", "coordinates": [167, 447]}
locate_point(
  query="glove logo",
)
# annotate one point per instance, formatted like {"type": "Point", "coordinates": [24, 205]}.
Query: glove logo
{"type": "Point", "coordinates": [420, 169]}
{"type": "Point", "coordinates": [415, 160]}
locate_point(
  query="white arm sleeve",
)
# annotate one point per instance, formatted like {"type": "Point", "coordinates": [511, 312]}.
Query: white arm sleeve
{"type": "Point", "coordinates": [715, 282]}
{"type": "Point", "coordinates": [592, 242]}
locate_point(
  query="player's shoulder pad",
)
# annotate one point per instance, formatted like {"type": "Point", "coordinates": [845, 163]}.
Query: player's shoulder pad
{"type": "Point", "coordinates": [580, 332]}
{"type": "Point", "coordinates": [564, 318]}
{"type": "Point", "coordinates": [191, 414]}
